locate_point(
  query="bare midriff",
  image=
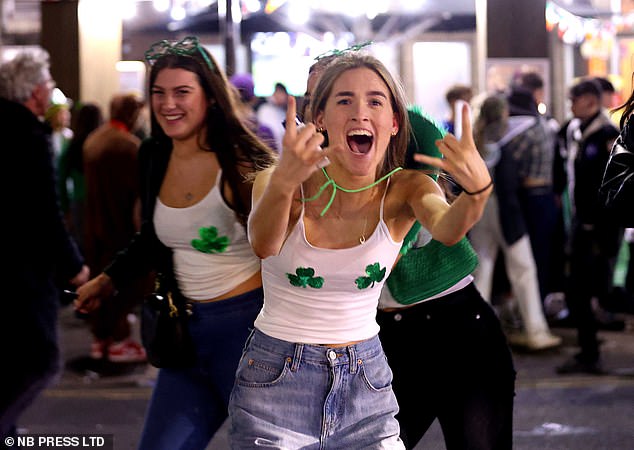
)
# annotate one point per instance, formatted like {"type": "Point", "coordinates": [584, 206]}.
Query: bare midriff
{"type": "Point", "coordinates": [343, 344]}
{"type": "Point", "coordinates": [252, 283]}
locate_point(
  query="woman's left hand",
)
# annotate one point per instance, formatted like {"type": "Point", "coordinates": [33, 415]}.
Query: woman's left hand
{"type": "Point", "coordinates": [461, 157]}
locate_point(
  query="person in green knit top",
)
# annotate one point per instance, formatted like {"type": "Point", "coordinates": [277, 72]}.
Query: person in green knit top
{"type": "Point", "coordinates": [468, 376]}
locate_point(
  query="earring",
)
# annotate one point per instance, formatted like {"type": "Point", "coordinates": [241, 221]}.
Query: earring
{"type": "Point", "coordinates": [394, 133]}
{"type": "Point", "coordinates": [320, 130]}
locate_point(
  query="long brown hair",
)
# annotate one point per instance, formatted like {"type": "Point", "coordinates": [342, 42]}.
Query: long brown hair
{"type": "Point", "coordinates": [239, 151]}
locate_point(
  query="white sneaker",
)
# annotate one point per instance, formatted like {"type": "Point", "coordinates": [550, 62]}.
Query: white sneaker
{"type": "Point", "coordinates": [540, 341]}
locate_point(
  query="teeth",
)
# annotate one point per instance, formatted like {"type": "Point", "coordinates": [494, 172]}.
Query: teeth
{"type": "Point", "coordinates": [359, 133]}
{"type": "Point", "coordinates": [173, 117]}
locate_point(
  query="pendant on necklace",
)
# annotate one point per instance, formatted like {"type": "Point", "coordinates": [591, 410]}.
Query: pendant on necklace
{"type": "Point", "coordinates": [362, 238]}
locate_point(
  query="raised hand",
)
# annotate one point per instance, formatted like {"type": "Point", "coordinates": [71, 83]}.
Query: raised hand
{"type": "Point", "coordinates": [461, 158]}
{"type": "Point", "coordinates": [302, 154]}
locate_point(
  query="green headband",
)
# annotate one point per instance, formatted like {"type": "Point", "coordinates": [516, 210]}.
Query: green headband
{"type": "Point", "coordinates": [188, 46]}
{"type": "Point", "coordinates": [353, 48]}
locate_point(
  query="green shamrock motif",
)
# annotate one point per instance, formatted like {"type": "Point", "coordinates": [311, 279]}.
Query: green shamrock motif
{"type": "Point", "coordinates": [304, 277]}
{"type": "Point", "coordinates": [375, 274]}
{"type": "Point", "coordinates": [209, 241]}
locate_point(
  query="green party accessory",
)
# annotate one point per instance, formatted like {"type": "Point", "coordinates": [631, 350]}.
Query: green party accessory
{"type": "Point", "coordinates": [336, 52]}
{"type": "Point", "coordinates": [425, 132]}
{"type": "Point", "coordinates": [188, 46]}
{"type": "Point", "coordinates": [423, 272]}
{"type": "Point", "coordinates": [335, 186]}
{"type": "Point", "coordinates": [426, 271]}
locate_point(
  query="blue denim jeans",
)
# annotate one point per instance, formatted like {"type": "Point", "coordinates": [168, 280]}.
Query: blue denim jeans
{"type": "Point", "coordinates": [189, 405]}
{"type": "Point", "coordinates": [291, 396]}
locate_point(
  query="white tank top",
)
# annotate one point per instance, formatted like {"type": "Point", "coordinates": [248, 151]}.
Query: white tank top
{"type": "Point", "coordinates": [211, 252]}
{"type": "Point", "coordinates": [318, 295]}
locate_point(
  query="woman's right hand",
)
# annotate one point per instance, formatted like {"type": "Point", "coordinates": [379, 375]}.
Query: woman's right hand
{"type": "Point", "coordinates": [302, 154]}
{"type": "Point", "coordinates": [90, 294]}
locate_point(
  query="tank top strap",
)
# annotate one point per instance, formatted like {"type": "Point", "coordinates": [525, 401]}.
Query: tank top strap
{"type": "Point", "coordinates": [301, 196]}
{"type": "Point", "coordinates": [383, 200]}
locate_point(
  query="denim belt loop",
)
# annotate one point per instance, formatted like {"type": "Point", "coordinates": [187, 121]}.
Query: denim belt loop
{"type": "Point", "coordinates": [297, 357]}
{"type": "Point", "coordinates": [352, 354]}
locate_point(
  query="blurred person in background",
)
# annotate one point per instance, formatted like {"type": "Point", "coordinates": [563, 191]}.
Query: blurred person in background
{"type": "Point", "coordinates": [71, 181]}
{"type": "Point", "coordinates": [272, 113]}
{"type": "Point", "coordinates": [243, 82]}
{"type": "Point", "coordinates": [595, 236]}
{"type": "Point", "coordinates": [41, 255]}
{"type": "Point", "coordinates": [457, 92]}
{"type": "Point", "coordinates": [608, 94]}
{"type": "Point", "coordinates": [534, 149]}
{"type": "Point", "coordinates": [503, 224]}
{"type": "Point", "coordinates": [113, 216]}
{"type": "Point", "coordinates": [58, 117]}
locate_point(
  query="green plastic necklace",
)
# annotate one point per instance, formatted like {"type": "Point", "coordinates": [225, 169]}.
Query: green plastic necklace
{"type": "Point", "coordinates": [335, 186]}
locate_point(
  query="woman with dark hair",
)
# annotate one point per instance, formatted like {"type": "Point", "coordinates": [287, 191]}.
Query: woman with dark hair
{"type": "Point", "coordinates": [196, 186]}
{"type": "Point", "coordinates": [617, 188]}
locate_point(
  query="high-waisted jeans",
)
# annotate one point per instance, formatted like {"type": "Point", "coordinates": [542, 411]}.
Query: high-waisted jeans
{"type": "Point", "coordinates": [292, 396]}
{"type": "Point", "coordinates": [189, 405]}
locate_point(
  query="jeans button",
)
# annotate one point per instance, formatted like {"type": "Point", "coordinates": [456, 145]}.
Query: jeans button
{"type": "Point", "coordinates": [398, 317]}
{"type": "Point", "coordinates": [332, 355]}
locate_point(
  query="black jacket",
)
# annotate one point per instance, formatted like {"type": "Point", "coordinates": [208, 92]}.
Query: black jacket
{"type": "Point", "coordinates": [146, 253]}
{"type": "Point", "coordinates": [38, 248]}
{"type": "Point", "coordinates": [593, 138]}
{"type": "Point", "coordinates": [617, 186]}
{"type": "Point", "coordinates": [39, 256]}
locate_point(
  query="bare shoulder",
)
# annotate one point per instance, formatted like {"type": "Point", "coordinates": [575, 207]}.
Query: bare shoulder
{"type": "Point", "coordinates": [407, 182]}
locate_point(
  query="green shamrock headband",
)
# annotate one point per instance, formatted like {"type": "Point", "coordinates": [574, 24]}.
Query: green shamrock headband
{"type": "Point", "coordinates": [188, 46]}
{"type": "Point", "coordinates": [353, 48]}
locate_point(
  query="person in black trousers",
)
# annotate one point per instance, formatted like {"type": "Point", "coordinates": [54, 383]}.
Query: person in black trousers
{"type": "Point", "coordinates": [467, 380]}
{"type": "Point", "coordinates": [595, 236]}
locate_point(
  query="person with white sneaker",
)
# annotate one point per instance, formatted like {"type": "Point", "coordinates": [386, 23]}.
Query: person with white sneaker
{"type": "Point", "coordinates": [112, 217]}
{"type": "Point", "coordinates": [503, 226]}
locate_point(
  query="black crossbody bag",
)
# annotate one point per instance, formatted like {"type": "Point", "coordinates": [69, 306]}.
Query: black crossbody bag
{"type": "Point", "coordinates": [165, 329]}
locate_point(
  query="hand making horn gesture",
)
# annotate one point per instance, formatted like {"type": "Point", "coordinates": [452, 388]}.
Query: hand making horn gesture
{"type": "Point", "coordinates": [461, 159]}
{"type": "Point", "coordinates": [302, 154]}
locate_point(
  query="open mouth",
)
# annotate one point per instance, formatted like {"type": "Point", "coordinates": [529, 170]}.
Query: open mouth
{"type": "Point", "coordinates": [360, 141]}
